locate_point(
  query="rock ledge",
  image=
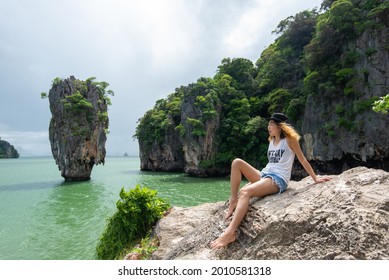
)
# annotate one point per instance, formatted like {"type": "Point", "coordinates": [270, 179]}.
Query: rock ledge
{"type": "Point", "coordinates": [345, 218]}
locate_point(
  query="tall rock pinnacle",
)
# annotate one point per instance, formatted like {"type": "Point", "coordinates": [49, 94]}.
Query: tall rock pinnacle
{"type": "Point", "coordinates": [78, 126]}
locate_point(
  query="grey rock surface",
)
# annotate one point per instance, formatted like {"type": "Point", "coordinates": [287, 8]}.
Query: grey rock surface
{"type": "Point", "coordinates": [77, 133]}
{"type": "Point", "coordinates": [345, 218]}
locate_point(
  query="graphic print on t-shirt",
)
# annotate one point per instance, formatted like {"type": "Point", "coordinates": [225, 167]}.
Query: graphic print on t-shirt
{"type": "Point", "coordinates": [275, 156]}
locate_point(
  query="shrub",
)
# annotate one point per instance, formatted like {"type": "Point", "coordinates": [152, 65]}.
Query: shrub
{"type": "Point", "coordinates": [382, 105]}
{"type": "Point", "coordinates": [198, 127]}
{"type": "Point", "coordinates": [138, 211]}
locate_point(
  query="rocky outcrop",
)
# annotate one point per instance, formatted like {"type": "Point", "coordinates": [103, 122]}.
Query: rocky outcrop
{"type": "Point", "coordinates": [341, 132]}
{"type": "Point", "coordinates": [78, 126]}
{"type": "Point", "coordinates": [345, 218]}
{"type": "Point", "coordinates": [7, 150]}
{"type": "Point", "coordinates": [165, 156]}
{"type": "Point", "coordinates": [198, 147]}
{"type": "Point", "coordinates": [186, 148]}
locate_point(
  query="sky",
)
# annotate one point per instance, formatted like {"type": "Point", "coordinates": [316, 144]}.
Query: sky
{"type": "Point", "coordinates": [144, 49]}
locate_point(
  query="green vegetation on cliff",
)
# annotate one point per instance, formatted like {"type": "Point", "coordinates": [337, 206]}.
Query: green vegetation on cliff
{"type": "Point", "coordinates": [331, 55]}
{"type": "Point", "coordinates": [78, 107]}
{"type": "Point", "coordinates": [382, 105]}
{"type": "Point", "coordinates": [315, 55]}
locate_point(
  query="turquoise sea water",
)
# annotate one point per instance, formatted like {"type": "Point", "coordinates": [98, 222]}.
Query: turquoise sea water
{"type": "Point", "coordinates": [42, 217]}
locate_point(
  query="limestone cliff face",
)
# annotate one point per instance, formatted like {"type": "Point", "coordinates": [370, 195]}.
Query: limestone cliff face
{"type": "Point", "coordinates": [345, 218]}
{"type": "Point", "coordinates": [201, 147]}
{"type": "Point", "coordinates": [7, 150]}
{"type": "Point", "coordinates": [340, 139]}
{"type": "Point", "coordinates": [184, 149]}
{"type": "Point", "coordinates": [165, 156]}
{"type": "Point", "coordinates": [78, 127]}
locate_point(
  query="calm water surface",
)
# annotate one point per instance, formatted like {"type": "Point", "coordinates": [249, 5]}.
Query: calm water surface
{"type": "Point", "coordinates": [42, 217]}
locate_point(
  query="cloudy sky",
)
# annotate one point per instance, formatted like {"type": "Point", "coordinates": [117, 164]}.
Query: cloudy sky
{"type": "Point", "coordinates": [143, 48]}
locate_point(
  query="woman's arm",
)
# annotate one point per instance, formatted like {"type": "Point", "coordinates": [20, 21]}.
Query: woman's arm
{"type": "Point", "coordinates": [295, 146]}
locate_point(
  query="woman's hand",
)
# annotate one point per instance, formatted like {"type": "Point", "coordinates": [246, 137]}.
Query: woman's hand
{"type": "Point", "coordinates": [322, 179]}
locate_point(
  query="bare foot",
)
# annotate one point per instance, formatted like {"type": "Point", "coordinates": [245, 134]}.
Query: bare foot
{"type": "Point", "coordinates": [231, 208]}
{"type": "Point", "coordinates": [223, 240]}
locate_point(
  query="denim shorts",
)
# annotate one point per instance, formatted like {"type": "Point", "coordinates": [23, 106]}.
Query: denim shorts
{"type": "Point", "coordinates": [276, 179]}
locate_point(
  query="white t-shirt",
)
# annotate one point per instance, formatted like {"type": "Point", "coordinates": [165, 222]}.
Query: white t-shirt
{"type": "Point", "coordinates": [281, 158]}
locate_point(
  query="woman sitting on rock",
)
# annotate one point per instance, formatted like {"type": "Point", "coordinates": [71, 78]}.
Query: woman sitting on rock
{"type": "Point", "coordinates": [283, 146]}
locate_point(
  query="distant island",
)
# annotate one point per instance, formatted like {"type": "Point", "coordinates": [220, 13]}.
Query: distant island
{"type": "Point", "coordinates": [7, 150]}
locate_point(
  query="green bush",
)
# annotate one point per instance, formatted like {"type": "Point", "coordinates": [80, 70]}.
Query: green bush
{"type": "Point", "coordinates": [198, 127]}
{"type": "Point", "coordinates": [76, 102]}
{"type": "Point", "coordinates": [138, 211]}
{"type": "Point", "coordinates": [382, 105]}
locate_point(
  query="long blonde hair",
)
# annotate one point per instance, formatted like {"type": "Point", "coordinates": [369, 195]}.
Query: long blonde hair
{"type": "Point", "coordinates": [287, 131]}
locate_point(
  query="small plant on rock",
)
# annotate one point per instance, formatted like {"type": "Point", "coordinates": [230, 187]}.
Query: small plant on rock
{"type": "Point", "coordinates": [137, 212]}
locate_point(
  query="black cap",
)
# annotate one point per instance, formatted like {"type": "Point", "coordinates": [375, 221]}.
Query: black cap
{"type": "Point", "coordinates": [278, 117]}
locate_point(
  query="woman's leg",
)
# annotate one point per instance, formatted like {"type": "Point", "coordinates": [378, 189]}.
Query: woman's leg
{"type": "Point", "coordinates": [260, 188]}
{"type": "Point", "coordinates": [239, 167]}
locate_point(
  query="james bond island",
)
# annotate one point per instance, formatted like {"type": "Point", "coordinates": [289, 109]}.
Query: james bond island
{"type": "Point", "coordinates": [79, 125]}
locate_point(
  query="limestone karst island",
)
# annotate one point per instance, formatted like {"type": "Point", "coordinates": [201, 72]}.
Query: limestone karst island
{"type": "Point", "coordinates": [78, 126]}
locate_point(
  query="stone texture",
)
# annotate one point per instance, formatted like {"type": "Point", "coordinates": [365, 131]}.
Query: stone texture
{"type": "Point", "coordinates": [77, 137]}
{"type": "Point", "coordinates": [183, 153]}
{"type": "Point", "coordinates": [167, 156]}
{"type": "Point", "coordinates": [367, 142]}
{"type": "Point", "coordinates": [345, 218]}
{"type": "Point", "coordinates": [197, 148]}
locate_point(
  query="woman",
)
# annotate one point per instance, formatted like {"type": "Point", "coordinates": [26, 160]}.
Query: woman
{"type": "Point", "coordinates": [283, 146]}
